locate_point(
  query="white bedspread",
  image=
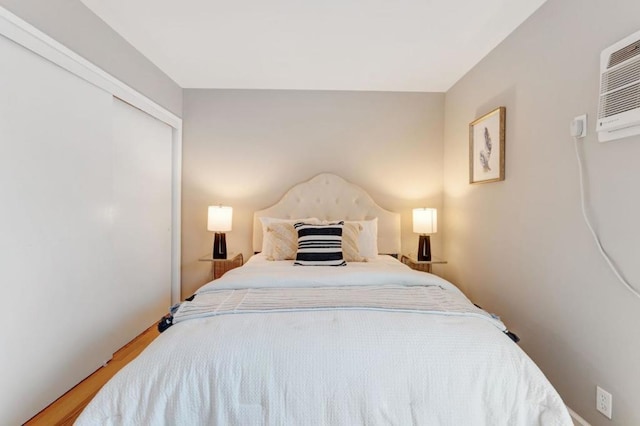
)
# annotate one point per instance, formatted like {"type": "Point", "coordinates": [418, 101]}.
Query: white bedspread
{"type": "Point", "coordinates": [261, 273]}
{"type": "Point", "coordinates": [329, 367]}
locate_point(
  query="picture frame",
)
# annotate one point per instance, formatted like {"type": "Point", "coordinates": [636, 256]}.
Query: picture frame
{"type": "Point", "coordinates": [486, 147]}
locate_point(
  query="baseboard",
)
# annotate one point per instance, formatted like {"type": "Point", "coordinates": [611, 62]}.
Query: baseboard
{"type": "Point", "coordinates": [577, 420]}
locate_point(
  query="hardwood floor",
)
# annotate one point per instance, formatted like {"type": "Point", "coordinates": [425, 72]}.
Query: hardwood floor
{"type": "Point", "coordinates": [68, 407]}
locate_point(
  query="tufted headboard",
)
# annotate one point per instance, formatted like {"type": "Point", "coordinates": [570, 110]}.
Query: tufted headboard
{"type": "Point", "coordinates": [329, 197]}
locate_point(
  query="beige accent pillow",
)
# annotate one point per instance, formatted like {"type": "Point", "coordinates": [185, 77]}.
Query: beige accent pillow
{"type": "Point", "coordinates": [352, 235]}
{"type": "Point", "coordinates": [267, 246]}
{"type": "Point", "coordinates": [350, 249]}
{"type": "Point", "coordinates": [368, 238]}
{"type": "Point", "coordinates": [282, 241]}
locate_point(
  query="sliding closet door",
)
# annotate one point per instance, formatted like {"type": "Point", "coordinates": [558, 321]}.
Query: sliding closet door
{"type": "Point", "coordinates": [85, 228]}
{"type": "Point", "coordinates": [56, 261]}
{"type": "Point", "coordinates": [142, 218]}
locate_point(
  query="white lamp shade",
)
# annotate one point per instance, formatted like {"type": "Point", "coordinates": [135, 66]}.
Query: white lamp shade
{"type": "Point", "coordinates": [425, 221]}
{"type": "Point", "coordinates": [220, 218]}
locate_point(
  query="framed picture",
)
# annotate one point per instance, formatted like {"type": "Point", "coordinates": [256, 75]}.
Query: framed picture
{"type": "Point", "coordinates": [486, 147]}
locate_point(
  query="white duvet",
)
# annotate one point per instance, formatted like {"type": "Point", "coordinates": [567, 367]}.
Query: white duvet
{"type": "Point", "coordinates": [329, 367]}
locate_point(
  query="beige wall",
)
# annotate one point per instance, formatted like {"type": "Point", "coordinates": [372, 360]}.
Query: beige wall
{"type": "Point", "coordinates": [520, 247]}
{"type": "Point", "coordinates": [71, 23]}
{"type": "Point", "coordinates": [245, 148]}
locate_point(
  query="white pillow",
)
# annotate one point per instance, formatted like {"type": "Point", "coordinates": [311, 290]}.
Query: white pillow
{"type": "Point", "coordinates": [267, 243]}
{"type": "Point", "coordinates": [368, 238]}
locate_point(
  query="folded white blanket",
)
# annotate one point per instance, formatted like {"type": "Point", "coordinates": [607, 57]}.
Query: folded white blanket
{"type": "Point", "coordinates": [420, 299]}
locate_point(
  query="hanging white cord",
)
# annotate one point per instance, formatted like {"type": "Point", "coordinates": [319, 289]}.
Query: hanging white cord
{"type": "Point", "coordinates": [595, 236]}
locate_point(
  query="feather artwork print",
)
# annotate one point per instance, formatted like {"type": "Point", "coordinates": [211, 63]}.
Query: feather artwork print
{"type": "Point", "coordinates": [486, 147]}
{"type": "Point", "coordinates": [485, 154]}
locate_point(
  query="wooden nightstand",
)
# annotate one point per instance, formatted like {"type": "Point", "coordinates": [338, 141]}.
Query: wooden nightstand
{"type": "Point", "coordinates": [220, 266]}
{"type": "Point", "coordinates": [419, 265]}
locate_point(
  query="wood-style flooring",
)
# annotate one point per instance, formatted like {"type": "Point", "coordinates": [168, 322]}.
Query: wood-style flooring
{"type": "Point", "coordinates": [68, 407]}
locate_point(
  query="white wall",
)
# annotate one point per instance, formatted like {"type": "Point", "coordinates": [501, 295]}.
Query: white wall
{"type": "Point", "coordinates": [74, 25]}
{"type": "Point", "coordinates": [246, 148]}
{"type": "Point", "coordinates": [520, 247]}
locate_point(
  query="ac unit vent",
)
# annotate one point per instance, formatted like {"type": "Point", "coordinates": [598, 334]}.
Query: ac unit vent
{"type": "Point", "coordinates": [620, 101]}
{"type": "Point", "coordinates": [624, 54]}
{"type": "Point", "coordinates": [619, 104]}
{"type": "Point", "coordinates": [615, 79]}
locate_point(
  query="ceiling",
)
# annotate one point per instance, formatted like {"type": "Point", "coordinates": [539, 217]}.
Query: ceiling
{"type": "Point", "coordinates": [379, 45]}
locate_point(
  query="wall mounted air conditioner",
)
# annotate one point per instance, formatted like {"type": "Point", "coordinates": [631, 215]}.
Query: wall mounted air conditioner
{"type": "Point", "coordinates": [619, 109]}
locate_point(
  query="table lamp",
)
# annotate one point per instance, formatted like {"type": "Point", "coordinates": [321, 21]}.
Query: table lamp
{"type": "Point", "coordinates": [219, 222]}
{"type": "Point", "coordinates": [425, 221]}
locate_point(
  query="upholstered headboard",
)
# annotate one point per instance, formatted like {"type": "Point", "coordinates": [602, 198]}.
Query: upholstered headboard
{"type": "Point", "coordinates": [329, 197]}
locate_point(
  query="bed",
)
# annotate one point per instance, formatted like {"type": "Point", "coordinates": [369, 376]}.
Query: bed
{"type": "Point", "coordinates": [371, 342]}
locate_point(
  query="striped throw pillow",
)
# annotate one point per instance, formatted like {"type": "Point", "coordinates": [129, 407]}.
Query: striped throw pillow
{"type": "Point", "coordinates": [319, 245]}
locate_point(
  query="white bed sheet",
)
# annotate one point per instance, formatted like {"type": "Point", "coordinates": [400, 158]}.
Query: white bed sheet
{"type": "Point", "coordinates": [259, 272]}
{"type": "Point", "coordinates": [331, 367]}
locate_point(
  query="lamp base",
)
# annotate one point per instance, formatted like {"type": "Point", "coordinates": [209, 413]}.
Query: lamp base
{"type": "Point", "coordinates": [219, 246]}
{"type": "Point", "coordinates": [424, 248]}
